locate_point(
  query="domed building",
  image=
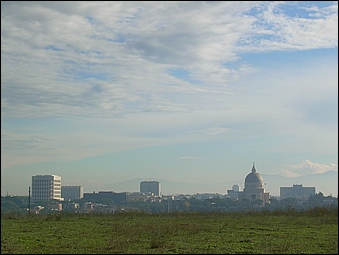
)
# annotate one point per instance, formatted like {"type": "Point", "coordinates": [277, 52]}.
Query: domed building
{"type": "Point", "coordinates": [254, 188]}
{"type": "Point", "coordinates": [254, 182]}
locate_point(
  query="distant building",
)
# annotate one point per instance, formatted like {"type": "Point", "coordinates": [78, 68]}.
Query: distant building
{"type": "Point", "coordinates": [69, 193]}
{"type": "Point", "coordinates": [204, 196]}
{"type": "Point", "coordinates": [151, 186]}
{"type": "Point", "coordinates": [71, 207]}
{"type": "Point", "coordinates": [254, 188]}
{"type": "Point", "coordinates": [297, 191]}
{"type": "Point", "coordinates": [234, 192]}
{"type": "Point", "coordinates": [137, 196]}
{"type": "Point", "coordinates": [116, 197]}
{"type": "Point", "coordinates": [46, 188]}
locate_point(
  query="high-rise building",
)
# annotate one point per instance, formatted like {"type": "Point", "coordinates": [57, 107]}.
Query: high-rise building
{"type": "Point", "coordinates": [72, 192]}
{"type": "Point", "coordinates": [46, 188]}
{"type": "Point", "coordinates": [151, 187]}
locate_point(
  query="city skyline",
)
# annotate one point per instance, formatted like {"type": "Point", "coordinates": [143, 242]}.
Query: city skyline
{"type": "Point", "coordinates": [320, 182]}
{"type": "Point", "coordinates": [104, 92]}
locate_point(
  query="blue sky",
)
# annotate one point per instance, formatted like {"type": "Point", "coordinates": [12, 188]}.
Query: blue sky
{"type": "Point", "coordinates": [103, 92]}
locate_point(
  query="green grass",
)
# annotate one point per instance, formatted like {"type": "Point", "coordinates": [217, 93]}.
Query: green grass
{"type": "Point", "coordinates": [278, 232]}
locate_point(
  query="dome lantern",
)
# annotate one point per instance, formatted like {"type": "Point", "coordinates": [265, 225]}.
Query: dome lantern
{"type": "Point", "coordinates": [253, 169]}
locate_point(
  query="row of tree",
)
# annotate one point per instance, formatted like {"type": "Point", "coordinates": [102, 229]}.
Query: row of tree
{"type": "Point", "coordinates": [230, 205]}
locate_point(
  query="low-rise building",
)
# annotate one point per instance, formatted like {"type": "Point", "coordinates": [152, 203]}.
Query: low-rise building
{"type": "Point", "coordinates": [297, 191]}
{"type": "Point", "coordinates": [71, 193]}
{"type": "Point", "coordinates": [116, 197]}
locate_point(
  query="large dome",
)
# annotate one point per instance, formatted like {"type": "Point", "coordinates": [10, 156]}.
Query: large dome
{"type": "Point", "coordinates": [254, 177]}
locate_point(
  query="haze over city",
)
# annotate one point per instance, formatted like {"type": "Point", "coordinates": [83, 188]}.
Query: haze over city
{"type": "Point", "coordinates": [105, 92]}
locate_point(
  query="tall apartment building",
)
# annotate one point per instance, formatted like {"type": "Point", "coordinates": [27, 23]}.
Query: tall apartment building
{"type": "Point", "coordinates": [297, 191]}
{"type": "Point", "coordinates": [69, 193]}
{"type": "Point", "coordinates": [151, 186]}
{"type": "Point", "coordinates": [46, 188]}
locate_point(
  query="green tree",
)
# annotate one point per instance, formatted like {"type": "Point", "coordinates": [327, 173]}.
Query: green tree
{"type": "Point", "coordinates": [316, 200]}
{"type": "Point", "coordinates": [9, 206]}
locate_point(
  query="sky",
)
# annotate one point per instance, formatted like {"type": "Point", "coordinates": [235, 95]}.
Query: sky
{"type": "Point", "coordinates": [103, 92]}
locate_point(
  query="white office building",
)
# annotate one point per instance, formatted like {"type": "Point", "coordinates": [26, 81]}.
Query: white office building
{"type": "Point", "coordinates": [69, 193]}
{"type": "Point", "coordinates": [153, 187]}
{"type": "Point", "coordinates": [46, 188]}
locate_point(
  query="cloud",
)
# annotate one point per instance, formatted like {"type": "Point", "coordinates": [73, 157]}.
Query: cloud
{"type": "Point", "coordinates": [29, 142]}
{"type": "Point", "coordinates": [211, 131]}
{"type": "Point", "coordinates": [276, 29]}
{"type": "Point", "coordinates": [111, 58]}
{"type": "Point", "coordinates": [117, 65]}
{"type": "Point", "coordinates": [307, 167]}
{"type": "Point", "coordinates": [188, 157]}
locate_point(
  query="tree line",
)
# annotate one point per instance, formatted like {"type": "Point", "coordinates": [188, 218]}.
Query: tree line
{"type": "Point", "coordinates": [21, 204]}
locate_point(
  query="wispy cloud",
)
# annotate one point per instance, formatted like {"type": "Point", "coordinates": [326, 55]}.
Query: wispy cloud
{"type": "Point", "coordinates": [221, 81]}
{"type": "Point", "coordinates": [188, 157]}
{"type": "Point", "coordinates": [211, 131]}
{"type": "Point", "coordinates": [110, 58]}
{"type": "Point", "coordinates": [278, 26]}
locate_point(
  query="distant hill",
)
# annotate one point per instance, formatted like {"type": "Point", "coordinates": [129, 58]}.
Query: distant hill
{"type": "Point", "coordinates": [326, 183]}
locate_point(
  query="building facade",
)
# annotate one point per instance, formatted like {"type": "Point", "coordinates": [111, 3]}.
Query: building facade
{"type": "Point", "coordinates": [116, 197]}
{"type": "Point", "coordinates": [297, 191]}
{"type": "Point", "coordinates": [151, 187]}
{"type": "Point", "coordinates": [69, 193]}
{"type": "Point", "coordinates": [46, 188]}
{"type": "Point", "coordinates": [234, 192]}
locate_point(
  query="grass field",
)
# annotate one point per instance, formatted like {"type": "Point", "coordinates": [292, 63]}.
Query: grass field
{"type": "Point", "coordinates": [279, 232]}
